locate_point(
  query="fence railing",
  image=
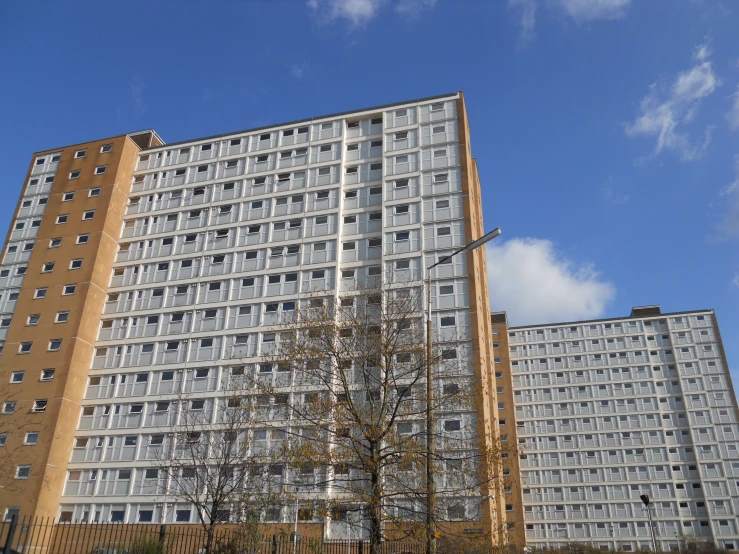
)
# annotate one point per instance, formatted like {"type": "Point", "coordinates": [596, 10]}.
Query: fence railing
{"type": "Point", "coordinates": [46, 536]}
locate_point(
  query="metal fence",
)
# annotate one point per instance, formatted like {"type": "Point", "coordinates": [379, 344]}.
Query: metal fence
{"type": "Point", "coordinates": [45, 536]}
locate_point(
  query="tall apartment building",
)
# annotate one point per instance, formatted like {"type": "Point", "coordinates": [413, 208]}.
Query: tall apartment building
{"type": "Point", "coordinates": [134, 270]}
{"type": "Point", "coordinates": [608, 410]}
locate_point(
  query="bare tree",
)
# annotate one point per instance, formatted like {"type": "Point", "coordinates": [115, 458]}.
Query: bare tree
{"type": "Point", "coordinates": [357, 426]}
{"type": "Point", "coordinates": [214, 461]}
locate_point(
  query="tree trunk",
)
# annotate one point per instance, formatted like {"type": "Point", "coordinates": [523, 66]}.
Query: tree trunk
{"type": "Point", "coordinates": [376, 498]}
{"type": "Point", "coordinates": [209, 539]}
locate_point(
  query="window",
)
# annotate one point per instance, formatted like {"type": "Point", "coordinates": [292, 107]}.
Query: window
{"type": "Point", "coordinates": [75, 264]}
{"type": "Point", "coordinates": [47, 374]}
{"type": "Point", "coordinates": [67, 196]}
{"type": "Point", "coordinates": [9, 407]}
{"type": "Point", "coordinates": [48, 267]}
{"type": "Point", "coordinates": [24, 347]}
{"type": "Point", "coordinates": [31, 438]}
{"type": "Point", "coordinates": [448, 321]}
{"type": "Point", "coordinates": [402, 236]}
{"type": "Point", "coordinates": [441, 178]}
{"type": "Point", "coordinates": [17, 376]}
{"type": "Point", "coordinates": [446, 289]}
{"type": "Point", "coordinates": [75, 174]}
{"type": "Point", "coordinates": [39, 406]}
{"type": "Point", "coordinates": [374, 243]}
{"type": "Point", "coordinates": [105, 148]}
{"type": "Point", "coordinates": [60, 219]}
{"type": "Point", "coordinates": [62, 317]}
{"type": "Point", "coordinates": [80, 153]}
{"type": "Point", "coordinates": [437, 107]}
{"type": "Point", "coordinates": [402, 209]}
{"type": "Point", "coordinates": [443, 231]}
{"type": "Point", "coordinates": [55, 345]}
{"type": "Point", "coordinates": [68, 289]}
{"type": "Point", "coordinates": [3, 439]}
{"type": "Point", "coordinates": [452, 425]}
{"type": "Point", "coordinates": [94, 192]}
{"type": "Point", "coordinates": [33, 319]}
{"type": "Point", "coordinates": [40, 293]}
{"type": "Point", "coordinates": [22, 472]}
{"type": "Point", "coordinates": [99, 170]}
{"type": "Point", "coordinates": [442, 204]}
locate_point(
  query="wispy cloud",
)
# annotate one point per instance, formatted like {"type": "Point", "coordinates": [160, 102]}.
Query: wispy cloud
{"type": "Point", "coordinates": [612, 195]}
{"type": "Point", "coordinates": [356, 12]}
{"type": "Point", "coordinates": [733, 115]}
{"type": "Point", "coordinates": [583, 11]}
{"type": "Point", "coordinates": [666, 109]}
{"type": "Point", "coordinates": [527, 13]}
{"type": "Point", "coordinates": [535, 284]}
{"type": "Point", "coordinates": [359, 13]}
{"type": "Point", "coordinates": [579, 11]}
{"type": "Point", "coordinates": [413, 8]}
{"type": "Point", "coordinates": [728, 226]}
{"type": "Point", "coordinates": [137, 96]}
{"type": "Point", "coordinates": [735, 280]}
{"type": "Point", "coordinates": [299, 70]}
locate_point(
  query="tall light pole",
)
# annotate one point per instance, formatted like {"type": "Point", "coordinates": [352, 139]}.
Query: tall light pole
{"type": "Point", "coordinates": [430, 485]}
{"type": "Point", "coordinates": [645, 500]}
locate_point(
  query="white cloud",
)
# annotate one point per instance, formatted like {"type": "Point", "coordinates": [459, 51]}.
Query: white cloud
{"type": "Point", "coordinates": [527, 9]}
{"type": "Point", "coordinates": [735, 280]}
{"type": "Point", "coordinates": [356, 12]}
{"type": "Point", "coordinates": [531, 281]}
{"type": "Point", "coordinates": [590, 10]}
{"type": "Point", "coordinates": [360, 12]}
{"type": "Point", "coordinates": [580, 11]}
{"type": "Point", "coordinates": [665, 109]}
{"type": "Point", "coordinates": [733, 115]}
{"type": "Point", "coordinates": [299, 70]}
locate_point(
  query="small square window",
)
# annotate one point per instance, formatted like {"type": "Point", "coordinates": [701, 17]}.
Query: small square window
{"type": "Point", "coordinates": [89, 214]}
{"type": "Point", "coordinates": [83, 239]}
{"type": "Point", "coordinates": [99, 170]}
{"type": "Point", "coordinates": [105, 148]}
{"type": "Point", "coordinates": [22, 472]}
{"type": "Point", "coordinates": [74, 174]}
{"type": "Point", "coordinates": [39, 406]}
{"type": "Point", "coordinates": [55, 242]}
{"type": "Point", "coordinates": [55, 345]}
{"type": "Point", "coordinates": [39, 293]}
{"type": "Point", "coordinates": [9, 407]}
{"type": "Point", "coordinates": [80, 153]}
{"type": "Point", "coordinates": [17, 376]}
{"type": "Point", "coordinates": [31, 438]}
{"type": "Point", "coordinates": [94, 192]}
{"type": "Point", "coordinates": [62, 317]}
{"type": "Point", "coordinates": [67, 196]}
{"type": "Point", "coordinates": [47, 374]}
{"type": "Point", "coordinates": [62, 219]}
{"type": "Point", "coordinates": [75, 264]}
{"type": "Point", "coordinates": [33, 319]}
{"type": "Point", "coordinates": [48, 267]}
{"type": "Point", "coordinates": [69, 289]}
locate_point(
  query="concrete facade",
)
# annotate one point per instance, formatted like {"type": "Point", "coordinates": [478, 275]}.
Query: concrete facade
{"type": "Point", "coordinates": [189, 248]}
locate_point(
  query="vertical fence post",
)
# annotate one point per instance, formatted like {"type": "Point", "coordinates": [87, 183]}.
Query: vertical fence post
{"type": "Point", "coordinates": [162, 535]}
{"type": "Point", "coordinates": [11, 532]}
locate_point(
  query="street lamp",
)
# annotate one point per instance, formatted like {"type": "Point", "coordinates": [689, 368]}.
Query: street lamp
{"type": "Point", "coordinates": [430, 486]}
{"type": "Point", "coordinates": [645, 500]}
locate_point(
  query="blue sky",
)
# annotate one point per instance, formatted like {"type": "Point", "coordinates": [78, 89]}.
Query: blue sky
{"type": "Point", "coordinates": [606, 131]}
